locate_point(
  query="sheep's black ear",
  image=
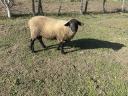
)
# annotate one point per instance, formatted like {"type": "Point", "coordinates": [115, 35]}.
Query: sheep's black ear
{"type": "Point", "coordinates": [79, 23]}
{"type": "Point", "coordinates": [67, 24]}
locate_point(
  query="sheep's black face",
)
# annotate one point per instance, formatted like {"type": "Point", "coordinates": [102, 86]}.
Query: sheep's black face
{"type": "Point", "coordinates": [73, 24]}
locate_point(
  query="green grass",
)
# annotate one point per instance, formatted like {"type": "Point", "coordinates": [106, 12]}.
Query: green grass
{"type": "Point", "coordinates": [96, 63]}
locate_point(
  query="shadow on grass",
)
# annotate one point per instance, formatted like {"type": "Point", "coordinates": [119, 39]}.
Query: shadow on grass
{"type": "Point", "coordinates": [82, 44]}
{"type": "Point", "coordinates": [21, 15]}
{"type": "Point", "coordinates": [67, 14]}
{"type": "Point", "coordinates": [14, 16]}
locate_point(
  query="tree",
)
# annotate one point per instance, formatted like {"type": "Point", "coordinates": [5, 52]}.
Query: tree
{"type": "Point", "coordinates": [33, 7]}
{"type": "Point", "coordinates": [60, 7]}
{"type": "Point", "coordinates": [8, 4]}
{"type": "Point", "coordinates": [85, 7]}
{"type": "Point", "coordinates": [40, 9]}
{"type": "Point", "coordinates": [81, 7]}
{"type": "Point", "coordinates": [122, 7]}
{"type": "Point", "coordinates": [104, 2]}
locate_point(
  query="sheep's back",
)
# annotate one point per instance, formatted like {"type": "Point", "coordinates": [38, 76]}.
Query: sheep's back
{"type": "Point", "coordinates": [52, 28]}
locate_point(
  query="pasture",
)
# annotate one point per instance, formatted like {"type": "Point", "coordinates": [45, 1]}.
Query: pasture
{"type": "Point", "coordinates": [96, 63]}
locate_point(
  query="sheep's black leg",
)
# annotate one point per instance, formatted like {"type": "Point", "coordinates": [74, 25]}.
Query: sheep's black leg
{"type": "Point", "coordinates": [61, 47]}
{"type": "Point", "coordinates": [41, 42]}
{"type": "Point", "coordinates": [58, 48]}
{"type": "Point", "coordinates": [32, 45]}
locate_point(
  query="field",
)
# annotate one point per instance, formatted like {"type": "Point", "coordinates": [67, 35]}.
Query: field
{"type": "Point", "coordinates": [96, 63]}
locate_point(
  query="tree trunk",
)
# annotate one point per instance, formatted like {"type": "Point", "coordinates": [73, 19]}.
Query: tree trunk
{"type": "Point", "coordinates": [8, 12]}
{"type": "Point", "coordinates": [60, 8]}
{"type": "Point", "coordinates": [122, 7]}
{"type": "Point", "coordinates": [33, 7]}
{"type": "Point", "coordinates": [81, 7]}
{"type": "Point", "coordinates": [40, 10]}
{"type": "Point", "coordinates": [86, 7]}
{"type": "Point", "coordinates": [8, 4]}
{"type": "Point", "coordinates": [104, 2]}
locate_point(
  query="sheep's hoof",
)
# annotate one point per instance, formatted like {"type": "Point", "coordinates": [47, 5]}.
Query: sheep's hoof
{"type": "Point", "coordinates": [62, 52]}
{"type": "Point", "coordinates": [33, 51]}
{"type": "Point", "coordinates": [58, 48]}
{"type": "Point", "coordinates": [46, 48]}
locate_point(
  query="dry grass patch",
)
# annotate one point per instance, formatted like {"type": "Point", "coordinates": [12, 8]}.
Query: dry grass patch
{"type": "Point", "coordinates": [96, 62]}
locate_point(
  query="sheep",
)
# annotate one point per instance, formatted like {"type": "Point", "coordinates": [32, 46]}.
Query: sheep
{"type": "Point", "coordinates": [50, 28]}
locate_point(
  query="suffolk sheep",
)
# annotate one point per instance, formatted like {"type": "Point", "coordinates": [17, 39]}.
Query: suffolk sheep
{"type": "Point", "coordinates": [50, 28]}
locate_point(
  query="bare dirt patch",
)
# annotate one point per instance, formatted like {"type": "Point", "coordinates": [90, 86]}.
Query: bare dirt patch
{"type": "Point", "coordinates": [24, 7]}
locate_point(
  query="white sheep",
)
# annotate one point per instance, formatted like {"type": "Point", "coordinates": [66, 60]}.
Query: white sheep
{"type": "Point", "coordinates": [50, 28]}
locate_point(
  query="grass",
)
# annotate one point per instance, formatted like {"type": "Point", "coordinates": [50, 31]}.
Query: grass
{"type": "Point", "coordinates": [95, 65]}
